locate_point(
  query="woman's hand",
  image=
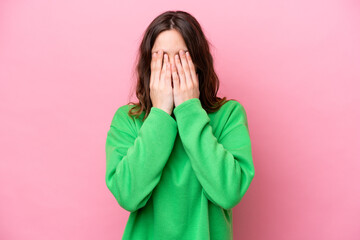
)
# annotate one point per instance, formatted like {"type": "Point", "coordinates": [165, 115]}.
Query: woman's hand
{"type": "Point", "coordinates": [185, 79]}
{"type": "Point", "coordinates": [161, 93]}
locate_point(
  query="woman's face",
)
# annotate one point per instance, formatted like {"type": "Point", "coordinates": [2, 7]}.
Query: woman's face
{"type": "Point", "coordinates": [171, 42]}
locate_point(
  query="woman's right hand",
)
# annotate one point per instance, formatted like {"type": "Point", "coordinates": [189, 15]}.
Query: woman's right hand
{"type": "Point", "coordinates": [161, 93]}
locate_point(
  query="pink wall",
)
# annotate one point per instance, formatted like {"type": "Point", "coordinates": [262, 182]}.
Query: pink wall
{"type": "Point", "coordinates": [65, 67]}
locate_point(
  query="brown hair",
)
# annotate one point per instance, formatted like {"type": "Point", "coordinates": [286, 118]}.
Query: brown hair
{"type": "Point", "coordinates": [198, 47]}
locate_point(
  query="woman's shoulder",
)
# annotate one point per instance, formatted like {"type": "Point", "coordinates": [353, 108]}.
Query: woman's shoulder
{"type": "Point", "coordinates": [122, 113]}
{"type": "Point", "coordinates": [125, 108]}
{"type": "Point", "coordinates": [232, 105]}
{"type": "Point", "coordinates": [232, 110]}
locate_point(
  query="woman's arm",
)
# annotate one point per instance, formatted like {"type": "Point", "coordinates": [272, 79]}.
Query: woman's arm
{"type": "Point", "coordinates": [134, 162]}
{"type": "Point", "coordinates": [223, 166]}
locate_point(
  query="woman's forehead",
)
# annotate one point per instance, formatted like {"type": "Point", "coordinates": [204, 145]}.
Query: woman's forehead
{"type": "Point", "coordinates": [170, 41]}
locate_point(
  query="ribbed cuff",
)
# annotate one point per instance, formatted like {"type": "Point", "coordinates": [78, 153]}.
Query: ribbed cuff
{"type": "Point", "coordinates": [193, 103]}
{"type": "Point", "coordinates": [164, 115]}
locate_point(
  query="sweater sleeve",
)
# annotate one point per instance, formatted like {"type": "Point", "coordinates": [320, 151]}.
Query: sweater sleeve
{"type": "Point", "coordinates": [224, 166]}
{"type": "Point", "coordinates": [135, 160]}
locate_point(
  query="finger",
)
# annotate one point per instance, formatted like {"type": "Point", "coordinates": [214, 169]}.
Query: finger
{"type": "Point", "coordinates": [163, 71]}
{"type": "Point", "coordinates": [175, 77]}
{"type": "Point", "coordinates": [152, 67]}
{"type": "Point", "coordinates": [192, 69]}
{"type": "Point", "coordinates": [168, 72]}
{"type": "Point", "coordinates": [180, 71]}
{"type": "Point", "coordinates": [158, 67]}
{"type": "Point", "coordinates": [186, 68]}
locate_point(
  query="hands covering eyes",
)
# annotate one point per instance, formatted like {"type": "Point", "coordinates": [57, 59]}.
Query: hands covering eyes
{"type": "Point", "coordinates": [172, 84]}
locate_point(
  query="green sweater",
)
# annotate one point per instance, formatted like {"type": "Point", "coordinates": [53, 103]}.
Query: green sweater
{"type": "Point", "coordinates": [179, 175]}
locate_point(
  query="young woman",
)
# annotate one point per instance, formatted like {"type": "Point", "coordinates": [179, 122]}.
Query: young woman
{"type": "Point", "coordinates": [180, 159]}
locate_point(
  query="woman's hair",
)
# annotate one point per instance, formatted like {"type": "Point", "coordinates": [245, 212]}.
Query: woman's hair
{"type": "Point", "coordinates": [198, 47]}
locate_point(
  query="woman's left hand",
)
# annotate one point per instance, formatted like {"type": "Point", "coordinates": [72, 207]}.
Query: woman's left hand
{"type": "Point", "coordinates": [185, 79]}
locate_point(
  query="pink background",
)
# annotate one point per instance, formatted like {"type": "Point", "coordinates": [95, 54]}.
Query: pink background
{"type": "Point", "coordinates": [66, 66]}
